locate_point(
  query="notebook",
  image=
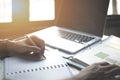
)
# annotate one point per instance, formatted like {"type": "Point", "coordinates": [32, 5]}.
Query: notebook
{"type": "Point", "coordinates": [79, 23]}
{"type": "Point", "coordinates": [107, 50]}
{"type": "Point", "coordinates": [52, 68]}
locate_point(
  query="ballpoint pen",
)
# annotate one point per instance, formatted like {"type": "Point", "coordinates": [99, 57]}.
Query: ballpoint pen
{"type": "Point", "coordinates": [33, 44]}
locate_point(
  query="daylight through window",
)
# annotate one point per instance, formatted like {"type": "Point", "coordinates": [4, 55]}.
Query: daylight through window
{"type": "Point", "coordinates": [5, 11]}
{"type": "Point", "coordinates": [41, 10]}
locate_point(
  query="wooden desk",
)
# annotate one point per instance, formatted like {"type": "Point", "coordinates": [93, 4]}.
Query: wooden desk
{"type": "Point", "coordinates": [75, 71]}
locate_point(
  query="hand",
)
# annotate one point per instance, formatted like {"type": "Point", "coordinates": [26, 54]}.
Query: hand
{"type": "Point", "coordinates": [22, 48]}
{"type": "Point", "coordinates": [98, 71]}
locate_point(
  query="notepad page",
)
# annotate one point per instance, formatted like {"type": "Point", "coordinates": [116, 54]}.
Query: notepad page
{"type": "Point", "coordinates": [106, 51]}
{"type": "Point", "coordinates": [52, 68]}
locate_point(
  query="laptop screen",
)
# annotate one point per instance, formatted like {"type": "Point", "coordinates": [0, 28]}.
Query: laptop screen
{"type": "Point", "coordinates": [83, 15]}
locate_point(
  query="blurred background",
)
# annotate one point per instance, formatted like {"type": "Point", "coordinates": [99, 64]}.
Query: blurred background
{"type": "Point", "coordinates": [20, 17]}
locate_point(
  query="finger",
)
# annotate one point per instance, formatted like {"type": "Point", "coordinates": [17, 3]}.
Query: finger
{"type": "Point", "coordinates": [104, 66]}
{"type": "Point", "coordinates": [39, 42]}
{"type": "Point", "coordinates": [42, 46]}
{"type": "Point", "coordinates": [113, 71]}
{"type": "Point", "coordinates": [27, 49]}
{"type": "Point", "coordinates": [29, 57]}
{"type": "Point", "coordinates": [35, 51]}
{"type": "Point", "coordinates": [31, 53]}
{"type": "Point", "coordinates": [109, 67]}
{"type": "Point", "coordinates": [102, 63]}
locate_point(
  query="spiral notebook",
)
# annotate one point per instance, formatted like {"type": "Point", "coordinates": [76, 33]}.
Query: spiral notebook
{"type": "Point", "coordinates": [52, 68]}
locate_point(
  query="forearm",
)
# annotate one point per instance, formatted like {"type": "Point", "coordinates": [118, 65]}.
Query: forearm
{"type": "Point", "coordinates": [2, 45]}
{"type": "Point", "coordinates": [3, 48]}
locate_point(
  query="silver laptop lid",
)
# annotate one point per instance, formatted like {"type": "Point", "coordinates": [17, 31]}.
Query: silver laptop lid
{"type": "Point", "coordinates": [83, 15]}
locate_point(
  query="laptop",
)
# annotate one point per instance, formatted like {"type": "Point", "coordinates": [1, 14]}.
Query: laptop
{"type": "Point", "coordinates": [78, 24]}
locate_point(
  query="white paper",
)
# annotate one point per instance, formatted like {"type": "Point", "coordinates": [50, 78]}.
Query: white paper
{"type": "Point", "coordinates": [107, 50]}
{"type": "Point", "coordinates": [53, 68]}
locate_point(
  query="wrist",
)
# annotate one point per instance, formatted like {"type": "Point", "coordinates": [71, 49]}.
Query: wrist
{"type": "Point", "coordinates": [3, 48]}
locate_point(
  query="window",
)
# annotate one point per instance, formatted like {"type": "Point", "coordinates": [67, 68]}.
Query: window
{"type": "Point", "coordinates": [114, 7]}
{"type": "Point", "coordinates": [5, 11]}
{"type": "Point", "coordinates": [41, 10]}
{"type": "Point", "coordinates": [118, 6]}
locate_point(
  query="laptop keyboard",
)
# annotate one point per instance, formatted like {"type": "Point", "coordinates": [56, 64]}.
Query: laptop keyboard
{"type": "Point", "coordinates": [75, 37]}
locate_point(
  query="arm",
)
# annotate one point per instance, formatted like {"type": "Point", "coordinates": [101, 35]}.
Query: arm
{"type": "Point", "coordinates": [22, 48]}
{"type": "Point", "coordinates": [3, 50]}
{"type": "Point", "coordinates": [98, 71]}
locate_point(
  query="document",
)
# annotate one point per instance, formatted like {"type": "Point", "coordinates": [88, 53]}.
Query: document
{"type": "Point", "coordinates": [107, 50]}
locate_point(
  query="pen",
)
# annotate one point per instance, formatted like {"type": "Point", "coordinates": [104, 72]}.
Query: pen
{"type": "Point", "coordinates": [33, 44]}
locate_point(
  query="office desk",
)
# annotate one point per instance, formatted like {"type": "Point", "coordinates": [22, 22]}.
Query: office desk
{"type": "Point", "coordinates": [75, 71]}
{"type": "Point", "coordinates": [1, 70]}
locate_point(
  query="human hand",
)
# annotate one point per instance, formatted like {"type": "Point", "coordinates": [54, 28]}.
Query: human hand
{"type": "Point", "coordinates": [22, 48]}
{"type": "Point", "coordinates": [98, 71]}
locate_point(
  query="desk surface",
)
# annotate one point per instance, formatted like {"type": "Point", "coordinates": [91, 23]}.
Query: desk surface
{"type": "Point", "coordinates": [74, 71]}
{"type": "Point", "coordinates": [2, 64]}
{"type": "Point", "coordinates": [1, 69]}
